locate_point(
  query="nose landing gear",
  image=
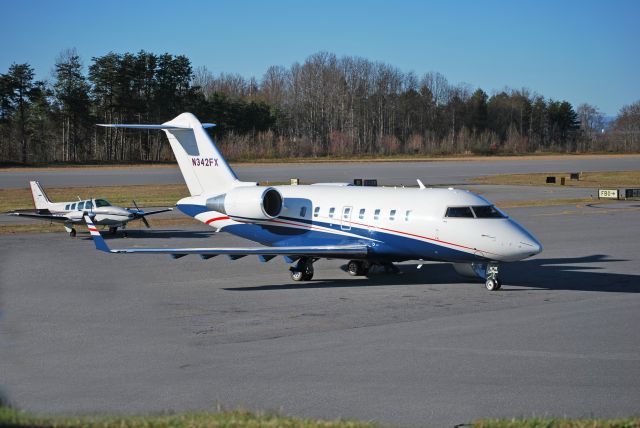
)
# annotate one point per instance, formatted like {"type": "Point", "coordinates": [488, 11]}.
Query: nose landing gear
{"type": "Point", "coordinates": [492, 283]}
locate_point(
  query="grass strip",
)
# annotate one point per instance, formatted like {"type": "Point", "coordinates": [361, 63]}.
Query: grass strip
{"type": "Point", "coordinates": [225, 419]}
{"type": "Point", "coordinates": [10, 417]}
{"type": "Point", "coordinates": [597, 179]}
{"type": "Point", "coordinates": [557, 423]}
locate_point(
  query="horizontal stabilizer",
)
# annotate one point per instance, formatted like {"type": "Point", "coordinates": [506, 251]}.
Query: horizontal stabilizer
{"type": "Point", "coordinates": [139, 126]}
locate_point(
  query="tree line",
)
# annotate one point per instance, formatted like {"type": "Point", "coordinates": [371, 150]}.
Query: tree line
{"type": "Point", "coordinates": [325, 106]}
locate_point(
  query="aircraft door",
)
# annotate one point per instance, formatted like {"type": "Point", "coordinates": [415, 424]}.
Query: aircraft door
{"type": "Point", "coordinates": [345, 220]}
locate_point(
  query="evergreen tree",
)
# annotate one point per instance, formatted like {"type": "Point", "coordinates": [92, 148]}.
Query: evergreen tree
{"type": "Point", "coordinates": [72, 94]}
{"type": "Point", "coordinates": [20, 90]}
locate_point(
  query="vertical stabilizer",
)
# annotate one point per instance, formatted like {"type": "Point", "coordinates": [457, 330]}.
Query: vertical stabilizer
{"type": "Point", "coordinates": [40, 199]}
{"type": "Point", "coordinates": [203, 167]}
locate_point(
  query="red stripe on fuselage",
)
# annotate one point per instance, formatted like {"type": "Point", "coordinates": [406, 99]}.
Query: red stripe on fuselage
{"type": "Point", "coordinates": [323, 229]}
{"type": "Point", "coordinates": [425, 237]}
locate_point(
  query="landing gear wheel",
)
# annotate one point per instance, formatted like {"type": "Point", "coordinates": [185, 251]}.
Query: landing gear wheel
{"type": "Point", "coordinates": [492, 285]}
{"type": "Point", "coordinates": [72, 233]}
{"type": "Point", "coordinates": [303, 270]}
{"type": "Point", "coordinates": [297, 275]}
{"type": "Point", "coordinates": [355, 268]}
{"type": "Point", "coordinates": [113, 230]}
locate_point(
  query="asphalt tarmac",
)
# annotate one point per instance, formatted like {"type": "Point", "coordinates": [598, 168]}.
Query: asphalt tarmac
{"type": "Point", "coordinates": [387, 173]}
{"type": "Point", "coordinates": [88, 332]}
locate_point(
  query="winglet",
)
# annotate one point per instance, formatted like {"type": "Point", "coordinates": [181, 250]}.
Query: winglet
{"type": "Point", "coordinates": [97, 238]}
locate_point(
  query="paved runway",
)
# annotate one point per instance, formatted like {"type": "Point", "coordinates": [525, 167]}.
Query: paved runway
{"type": "Point", "coordinates": [388, 173]}
{"type": "Point", "coordinates": [82, 331]}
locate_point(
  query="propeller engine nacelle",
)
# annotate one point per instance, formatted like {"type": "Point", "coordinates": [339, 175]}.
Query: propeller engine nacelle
{"type": "Point", "coordinates": [253, 203]}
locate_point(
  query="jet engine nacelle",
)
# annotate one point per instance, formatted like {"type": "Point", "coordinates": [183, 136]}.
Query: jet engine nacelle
{"type": "Point", "coordinates": [255, 203]}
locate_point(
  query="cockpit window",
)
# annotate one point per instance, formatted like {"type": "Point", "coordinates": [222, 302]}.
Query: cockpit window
{"type": "Point", "coordinates": [487, 211]}
{"type": "Point", "coordinates": [459, 212]}
{"type": "Point", "coordinates": [102, 203]}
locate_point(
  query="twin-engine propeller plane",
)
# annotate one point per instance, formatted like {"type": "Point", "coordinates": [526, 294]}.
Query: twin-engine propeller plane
{"type": "Point", "coordinates": [366, 225]}
{"type": "Point", "coordinates": [72, 213]}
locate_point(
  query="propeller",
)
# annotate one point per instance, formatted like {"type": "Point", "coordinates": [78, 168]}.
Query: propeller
{"type": "Point", "coordinates": [140, 215]}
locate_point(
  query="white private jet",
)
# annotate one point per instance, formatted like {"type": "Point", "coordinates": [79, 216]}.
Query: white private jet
{"type": "Point", "coordinates": [71, 213]}
{"type": "Point", "coordinates": [366, 225]}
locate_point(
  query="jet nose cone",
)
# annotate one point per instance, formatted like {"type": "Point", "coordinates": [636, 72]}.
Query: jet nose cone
{"type": "Point", "coordinates": [531, 246]}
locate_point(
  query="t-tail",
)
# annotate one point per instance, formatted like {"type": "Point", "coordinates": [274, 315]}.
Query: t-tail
{"type": "Point", "coordinates": [203, 167]}
{"type": "Point", "coordinates": [40, 198]}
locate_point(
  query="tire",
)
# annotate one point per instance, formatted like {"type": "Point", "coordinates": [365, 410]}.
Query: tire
{"type": "Point", "coordinates": [304, 274]}
{"type": "Point", "coordinates": [354, 268]}
{"type": "Point", "coordinates": [72, 233]}
{"type": "Point", "coordinates": [498, 284]}
{"type": "Point", "coordinates": [297, 275]}
{"type": "Point", "coordinates": [308, 276]}
{"type": "Point", "coordinates": [491, 285]}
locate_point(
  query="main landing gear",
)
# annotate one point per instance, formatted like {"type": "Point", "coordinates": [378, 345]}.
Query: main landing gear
{"type": "Point", "coordinates": [72, 233]}
{"type": "Point", "coordinates": [492, 283]}
{"type": "Point", "coordinates": [358, 267]}
{"type": "Point", "coordinates": [364, 267]}
{"type": "Point", "coordinates": [303, 271]}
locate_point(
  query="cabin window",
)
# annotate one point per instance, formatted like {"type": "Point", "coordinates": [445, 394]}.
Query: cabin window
{"type": "Point", "coordinates": [66, 207]}
{"type": "Point", "coordinates": [88, 205]}
{"type": "Point", "coordinates": [331, 212]}
{"type": "Point", "coordinates": [406, 215]}
{"type": "Point", "coordinates": [316, 211]}
{"type": "Point", "coordinates": [487, 211]}
{"type": "Point", "coordinates": [80, 206]}
{"type": "Point", "coordinates": [361, 215]}
{"type": "Point", "coordinates": [303, 211]}
{"type": "Point", "coordinates": [376, 214]}
{"type": "Point", "coordinates": [73, 206]}
{"type": "Point", "coordinates": [463, 212]}
{"type": "Point", "coordinates": [392, 215]}
{"type": "Point", "coordinates": [346, 213]}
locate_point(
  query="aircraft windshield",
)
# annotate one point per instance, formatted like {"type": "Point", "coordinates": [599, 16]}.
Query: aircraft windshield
{"type": "Point", "coordinates": [102, 203]}
{"type": "Point", "coordinates": [479, 211]}
{"type": "Point", "coordinates": [459, 212]}
{"type": "Point", "coordinates": [487, 211]}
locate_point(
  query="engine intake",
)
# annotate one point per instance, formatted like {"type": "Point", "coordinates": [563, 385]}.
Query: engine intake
{"type": "Point", "coordinates": [254, 203]}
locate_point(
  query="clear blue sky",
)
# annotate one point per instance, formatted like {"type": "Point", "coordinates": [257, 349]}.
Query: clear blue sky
{"type": "Point", "coordinates": [580, 51]}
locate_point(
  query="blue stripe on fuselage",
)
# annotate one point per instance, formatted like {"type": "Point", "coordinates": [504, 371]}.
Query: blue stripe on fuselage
{"type": "Point", "coordinates": [383, 244]}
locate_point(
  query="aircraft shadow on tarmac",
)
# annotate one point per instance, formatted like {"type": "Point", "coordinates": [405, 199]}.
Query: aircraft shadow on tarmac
{"type": "Point", "coordinates": [579, 274]}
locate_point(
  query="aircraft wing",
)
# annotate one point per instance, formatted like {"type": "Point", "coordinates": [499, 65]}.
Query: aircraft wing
{"type": "Point", "coordinates": [265, 253]}
{"type": "Point", "coordinates": [146, 213]}
{"type": "Point", "coordinates": [48, 217]}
